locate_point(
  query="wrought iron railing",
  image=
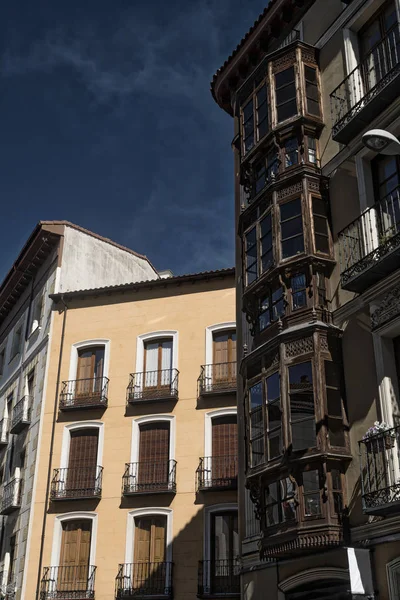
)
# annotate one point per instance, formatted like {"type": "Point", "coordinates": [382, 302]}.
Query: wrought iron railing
{"type": "Point", "coordinates": [138, 580]}
{"type": "Point", "coordinates": [218, 378]}
{"type": "Point", "coordinates": [4, 431]}
{"type": "Point", "coordinates": [217, 472]}
{"type": "Point", "coordinates": [21, 414]}
{"type": "Point", "coordinates": [366, 81]}
{"type": "Point", "coordinates": [293, 36]}
{"type": "Point", "coordinates": [380, 471]}
{"type": "Point", "coordinates": [74, 483]}
{"type": "Point", "coordinates": [219, 577]}
{"type": "Point", "coordinates": [153, 385]}
{"type": "Point", "coordinates": [11, 498]}
{"type": "Point", "coordinates": [68, 582]}
{"type": "Point", "coordinates": [149, 477]}
{"type": "Point", "coordinates": [84, 393]}
{"type": "Point", "coordinates": [374, 234]}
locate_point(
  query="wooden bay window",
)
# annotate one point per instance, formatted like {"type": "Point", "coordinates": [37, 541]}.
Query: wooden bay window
{"type": "Point", "coordinates": [302, 409]}
{"type": "Point", "coordinates": [291, 223]}
{"type": "Point", "coordinates": [256, 418]}
{"type": "Point", "coordinates": [285, 92]}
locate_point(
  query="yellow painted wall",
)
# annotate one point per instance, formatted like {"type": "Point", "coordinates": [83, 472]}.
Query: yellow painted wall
{"type": "Point", "coordinates": [189, 309]}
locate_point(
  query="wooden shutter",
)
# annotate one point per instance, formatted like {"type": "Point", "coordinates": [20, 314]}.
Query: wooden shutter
{"type": "Point", "coordinates": [90, 371]}
{"type": "Point", "coordinates": [154, 453]}
{"type": "Point", "coordinates": [82, 463]}
{"type": "Point", "coordinates": [75, 555]}
{"type": "Point", "coordinates": [224, 448]}
{"type": "Point", "coordinates": [158, 546]}
{"type": "Point", "coordinates": [150, 539]}
{"type": "Point", "coordinates": [224, 354]}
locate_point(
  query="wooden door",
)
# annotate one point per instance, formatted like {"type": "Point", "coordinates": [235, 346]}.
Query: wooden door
{"type": "Point", "coordinates": [224, 363]}
{"type": "Point", "coordinates": [75, 556]}
{"type": "Point", "coordinates": [82, 463]}
{"type": "Point", "coordinates": [224, 551]}
{"type": "Point", "coordinates": [224, 450]}
{"type": "Point", "coordinates": [90, 372]}
{"type": "Point", "coordinates": [158, 364]}
{"type": "Point", "coordinates": [154, 455]}
{"type": "Point", "coordinates": [150, 549]}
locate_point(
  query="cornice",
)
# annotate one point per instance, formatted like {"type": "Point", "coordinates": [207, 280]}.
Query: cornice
{"type": "Point", "coordinates": [370, 531]}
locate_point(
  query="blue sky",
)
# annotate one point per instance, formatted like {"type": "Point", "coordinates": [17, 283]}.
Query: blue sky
{"type": "Point", "coordinates": [107, 121]}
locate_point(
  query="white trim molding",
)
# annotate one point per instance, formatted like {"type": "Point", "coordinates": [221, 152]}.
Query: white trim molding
{"type": "Point", "coordinates": [130, 530]}
{"type": "Point", "coordinates": [57, 535]}
{"type": "Point", "coordinates": [208, 511]}
{"type": "Point", "coordinates": [208, 417]}
{"type": "Point", "coordinates": [73, 363]}
{"type": "Point", "coordinates": [66, 440]}
{"type": "Point", "coordinates": [152, 419]}
{"type": "Point", "coordinates": [156, 335]}
{"type": "Point", "coordinates": [209, 338]}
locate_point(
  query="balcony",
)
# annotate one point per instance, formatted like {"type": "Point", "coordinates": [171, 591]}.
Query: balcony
{"type": "Point", "coordinates": [21, 414]}
{"type": "Point", "coordinates": [149, 478]}
{"type": "Point", "coordinates": [218, 578]}
{"type": "Point", "coordinates": [68, 583]}
{"type": "Point", "coordinates": [217, 379]}
{"type": "Point", "coordinates": [367, 90]}
{"type": "Point", "coordinates": [4, 432]}
{"type": "Point", "coordinates": [217, 473]}
{"type": "Point", "coordinates": [77, 483]}
{"type": "Point", "coordinates": [369, 248]}
{"type": "Point", "coordinates": [153, 386]}
{"type": "Point", "coordinates": [380, 473]}
{"type": "Point", "coordinates": [12, 492]}
{"type": "Point", "coordinates": [84, 393]}
{"type": "Point", "coordinates": [144, 580]}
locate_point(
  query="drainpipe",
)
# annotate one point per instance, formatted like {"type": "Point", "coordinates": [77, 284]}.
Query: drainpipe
{"type": "Point", "coordinates": [53, 431]}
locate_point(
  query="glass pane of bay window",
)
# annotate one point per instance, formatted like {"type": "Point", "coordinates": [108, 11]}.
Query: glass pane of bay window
{"type": "Point", "coordinates": [248, 126]}
{"type": "Point", "coordinates": [312, 498]}
{"type": "Point", "coordinates": [251, 256]}
{"type": "Point", "coordinates": [256, 424]}
{"type": "Point", "coordinates": [292, 240]}
{"type": "Point", "coordinates": [266, 243]}
{"type": "Point", "coordinates": [321, 231]}
{"type": "Point", "coordinates": [262, 112]}
{"type": "Point", "coordinates": [274, 416]}
{"type": "Point", "coordinates": [302, 411]}
{"type": "Point", "coordinates": [312, 150]}
{"type": "Point", "coordinates": [299, 296]}
{"type": "Point", "coordinates": [312, 94]}
{"type": "Point", "coordinates": [291, 152]}
{"type": "Point", "coordinates": [260, 176]}
{"type": "Point", "coordinates": [285, 91]}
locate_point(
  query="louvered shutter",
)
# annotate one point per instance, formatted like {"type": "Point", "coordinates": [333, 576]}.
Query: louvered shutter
{"type": "Point", "coordinates": [85, 373]}
{"type": "Point", "coordinates": [74, 556]}
{"type": "Point", "coordinates": [154, 454]}
{"type": "Point", "coordinates": [224, 448]}
{"type": "Point", "coordinates": [82, 463]}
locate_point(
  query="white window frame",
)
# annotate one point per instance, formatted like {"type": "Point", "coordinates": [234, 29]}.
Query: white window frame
{"type": "Point", "coordinates": [152, 419]}
{"type": "Point", "coordinates": [130, 530]}
{"type": "Point", "coordinates": [57, 535]}
{"type": "Point", "coordinates": [155, 335]}
{"type": "Point", "coordinates": [208, 511]}
{"type": "Point", "coordinates": [210, 330]}
{"type": "Point", "coordinates": [73, 363]}
{"type": "Point", "coordinates": [66, 442]}
{"type": "Point", "coordinates": [392, 568]}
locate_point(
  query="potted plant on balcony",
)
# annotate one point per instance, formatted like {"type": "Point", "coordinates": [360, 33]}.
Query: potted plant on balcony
{"type": "Point", "coordinates": [379, 437]}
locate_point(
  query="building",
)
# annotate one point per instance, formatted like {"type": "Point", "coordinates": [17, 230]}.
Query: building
{"type": "Point", "coordinates": [317, 261]}
{"type": "Point", "coordinates": [58, 256]}
{"type": "Point", "coordinates": [136, 492]}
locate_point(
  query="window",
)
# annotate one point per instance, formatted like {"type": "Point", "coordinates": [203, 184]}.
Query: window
{"type": "Point", "coordinates": [321, 288]}
{"type": "Point", "coordinates": [298, 284]}
{"type": "Point", "coordinates": [337, 491]}
{"type": "Point", "coordinates": [256, 425]}
{"type": "Point", "coordinates": [312, 150]}
{"type": "Point", "coordinates": [311, 494]}
{"type": "Point", "coordinates": [224, 356]}
{"type": "Point", "coordinates": [82, 462]}
{"type": "Point", "coordinates": [89, 373]}
{"type": "Point", "coordinates": [10, 399]}
{"type": "Point", "coordinates": [271, 308]}
{"type": "Point", "coordinates": [16, 343]}
{"type": "Point", "coordinates": [280, 504]}
{"type": "Point", "coordinates": [30, 383]}
{"type": "Point", "coordinates": [292, 240]}
{"type": "Point", "coordinates": [291, 152]}
{"type": "Point", "coordinates": [274, 417]}
{"type": "Point", "coordinates": [37, 310]}
{"type": "Point", "coordinates": [11, 571]}
{"type": "Point", "coordinates": [154, 444]}
{"type": "Point", "coordinates": [272, 165]}
{"type": "Point", "coordinates": [334, 403]}
{"type": "Point", "coordinates": [267, 258]}
{"type": "Point", "coordinates": [2, 361]}
{"type": "Point", "coordinates": [321, 230]}
{"type": "Point", "coordinates": [255, 118]}
{"type": "Point", "coordinates": [302, 412]}
{"type": "Point", "coordinates": [260, 177]}
{"type": "Point", "coordinates": [386, 172]}
{"type": "Point", "coordinates": [224, 549]}
{"type": "Point", "coordinates": [285, 89]}
{"type": "Point", "coordinates": [74, 555]}
{"type": "Point", "coordinates": [251, 256]}
{"type": "Point", "coordinates": [312, 95]}
{"type": "Point", "coordinates": [158, 363]}
{"type": "Point", "coordinates": [224, 450]}
{"type": "Point", "coordinates": [150, 548]}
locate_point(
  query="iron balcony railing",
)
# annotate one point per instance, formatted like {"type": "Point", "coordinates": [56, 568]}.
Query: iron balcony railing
{"type": "Point", "coordinates": [68, 583]}
{"type": "Point", "coordinates": [84, 393]}
{"type": "Point", "coordinates": [149, 477]}
{"type": "Point", "coordinates": [4, 431]}
{"type": "Point", "coordinates": [380, 472]}
{"type": "Point", "coordinates": [218, 378]}
{"type": "Point", "coordinates": [12, 491]}
{"type": "Point", "coordinates": [76, 483]}
{"type": "Point", "coordinates": [21, 414]}
{"type": "Point", "coordinates": [217, 473]}
{"type": "Point", "coordinates": [153, 386]}
{"type": "Point", "coordinates": [366, 81]}
{"type": "Point", "coordinates": [146, 579]}
{"type": "Point", "coordinates": [366, 243]}
{"type": "Point", "coordinates": [219, 578]}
